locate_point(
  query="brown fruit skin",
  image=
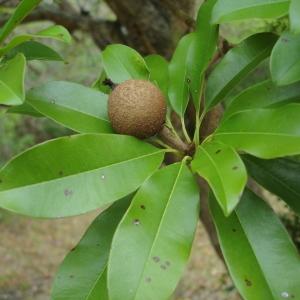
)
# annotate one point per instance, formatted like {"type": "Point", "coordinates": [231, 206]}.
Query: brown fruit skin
{"type": "Point", "coordinates": [137, 107]}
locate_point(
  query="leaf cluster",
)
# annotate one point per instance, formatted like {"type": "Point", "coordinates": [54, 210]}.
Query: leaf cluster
{"type": "Point", "coordinates": [138, 247]}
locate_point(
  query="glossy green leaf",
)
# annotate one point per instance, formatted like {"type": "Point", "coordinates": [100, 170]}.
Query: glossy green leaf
{"type": "Point", "coordinates": [57, 32]}
{"type": "Point", "coordinates": [152, 243]}
{"type": "Point", "coordinates": [73, 175]}
{"type": "Point", "coordinates": [158, 67]}
{"type": "Point", "coordinates": [24, 109]}
{"type": "Point", "coordinates": [82, 273]}
{"type": "Point", "coordinates": [236, 65]}
{"type": "Point", "coordinates": [225, 172]}
{"type": "Point", "coordinates": [99, 86]}
{"type": "Point", "coordinates": [260, 256]}
{"type": "Point", "coordinates": [201, 50]}
{"type": "Point", "coordinates": [263, 95]}
{"type": "Point", "coordinates": [294, 17]}
{"type": "Point", "coordinates": [12, 81]}
{"type": "Point", "coordinates": [285, 59]}
{"type": "Point", "coordinates": [33, 50]}
{"type": "Point", "coordinates": [265, 133]}
{"type": "Point", "coordinates": [280, 176]}
{"type": "Point", "coordinates": [73, 105]}
{"type": "Point", "coordinates": [228, 10]}
{"type": "Point", "coordinates": [122, 63]}
{"type": "Point", "coordinates": [178, 85]}
{"type": "Point", "coordinates": [23, 9]}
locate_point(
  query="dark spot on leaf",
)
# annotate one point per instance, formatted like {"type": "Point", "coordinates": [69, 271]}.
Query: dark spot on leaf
{"type": "Point", "coordinates": [292, 296]}
{"type": "Point", "coordinates": [98, 245]}
{"type": "Point", "coordinates": [66, 192]}
{"type": "Point", "coordinates": [285, 40]}
{"type": "Point", "coordinates": [143, 207]}
{"type": "Point", "coordinates": [168, 263]}
{"type": "Point", "coordinates": [136, 222]}
{"type": "Point", "coordinates": [188, 80]}
{"type": "Point", "coordinates": [155, 258]}
{"type": "Point", "coordinates": [234, 168]}
{"type": "Point", "coordinates": [148, 279]}
{"type": "Point", "coordinates": [163, 267]}
{"type": "Point", "coordinates": [218, 151]}
{"type": "Point", "coordinates": [71, 193]}
{"type": "Point", "coordinates": [268, 88]}
{"type": "Point", "coordinates": [58, 277]}
{"type": "Point", "coordinates": [71, 276]}
{"type": "Point", "coordinates": [248, 282]}
{"type": "Point", "coordinates": [60, 34]}
{"type": "Point", "coordinates": [61, 173]}
{"type": "Point", "coordinates": [0, 180]}
{"type": "Point", "coordinates": [233, 229]}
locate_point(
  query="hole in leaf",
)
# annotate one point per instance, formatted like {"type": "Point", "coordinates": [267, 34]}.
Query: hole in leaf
{"type": "Point", "coordinates": [248, 282]}
{"type": "Point", "coordinates": [136, 222]}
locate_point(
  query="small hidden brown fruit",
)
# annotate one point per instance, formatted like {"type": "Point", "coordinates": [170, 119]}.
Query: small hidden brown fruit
{"type": "Point", "coordinates": [137, 107]}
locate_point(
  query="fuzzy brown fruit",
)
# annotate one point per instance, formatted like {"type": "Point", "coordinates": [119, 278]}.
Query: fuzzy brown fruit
{"type": "Point", "coordinates": [137, 107]}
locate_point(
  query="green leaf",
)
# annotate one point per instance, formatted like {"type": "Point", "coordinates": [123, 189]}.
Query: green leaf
{"type": "Point", "coordinates": [178, 86]}
{"type": "Point", "coordinates": [152, 243]}
{"type": "Point", "coordinates": [236, 65]}
{"type": "Point", "coordinates": [263, 95]}
{"type": "Point", "coordinates": [280, 176]}
{"type": "Point", "coordinates": [23, 9]}
{"type": "Point", "coordinates": [33, 50]}
{"type": "Point", "coordinates": [99, 86]}
{"type": "Point", "coordinates": [201, 50]}
{"type": "Point", "coordinates": [122, 63]}
{"type": "Point", "coordinates": [82, 273]}
{"type": "Point", "coordinates": [260, 256]}
{"type": "Point", "coordinates": [225, 172]}
{"type": "Point", "coordinates": [24, 109]}
{"type": "Point", "coordinates": [228, 10]}
{"type": "Point", "coordinates": [73, 105]}
{"type": "Point", "coordinates": [57, 32]}
{"type": "Point", "coordinates": [294, 17]}
{"type": "Point", "coordinates": [287, 70]}
{"type": "Point", "coordinates": [265, 133]}
{"type": "Point", "coordinates": [12, 81]}
{"type": "Point", "coordinates": [73, 175]}
{"type": "Point", "coordinates": [158, 67]}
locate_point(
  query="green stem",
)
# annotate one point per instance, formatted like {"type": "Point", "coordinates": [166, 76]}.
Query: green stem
{"type": "Point", "coordinates": [199, 119]}
{"type": "Point", "coordinates": [184, 130]}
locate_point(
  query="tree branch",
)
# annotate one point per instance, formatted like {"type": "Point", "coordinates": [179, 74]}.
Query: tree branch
{"type": "Point", "coordinates": [180, 14]}
{"type": "Point", "coordinates": [104, 32]}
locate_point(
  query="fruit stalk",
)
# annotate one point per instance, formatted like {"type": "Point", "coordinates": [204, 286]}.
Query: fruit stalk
{"type": "Point", "coordinates": [166, 135]}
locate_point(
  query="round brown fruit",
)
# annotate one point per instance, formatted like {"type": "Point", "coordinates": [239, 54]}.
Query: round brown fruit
{"type": "Point", "coordinates": [137, 107]}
